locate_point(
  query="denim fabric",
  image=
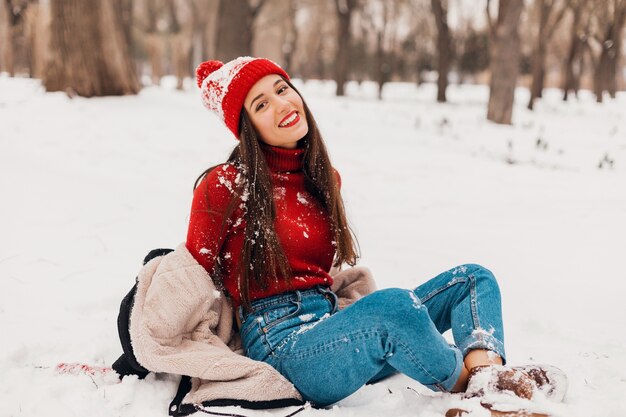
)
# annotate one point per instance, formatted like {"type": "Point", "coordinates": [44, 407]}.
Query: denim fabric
{"type": "Point", "coordinates": [328, 353]}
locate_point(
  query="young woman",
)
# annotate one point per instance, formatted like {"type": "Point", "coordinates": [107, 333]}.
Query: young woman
{"type": "Point", "coordinates": [269, 224]}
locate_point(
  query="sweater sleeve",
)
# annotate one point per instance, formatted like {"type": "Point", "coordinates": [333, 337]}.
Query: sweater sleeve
{"type": "Point", "coordinates": [207, 229]}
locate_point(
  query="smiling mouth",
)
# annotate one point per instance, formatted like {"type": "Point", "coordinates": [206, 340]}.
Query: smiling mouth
{"type": "Point", "coordinates": [290, 120]}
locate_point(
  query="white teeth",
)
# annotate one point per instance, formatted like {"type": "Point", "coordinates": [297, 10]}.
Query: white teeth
{"type": "Point", "coordinates": [291, 119]}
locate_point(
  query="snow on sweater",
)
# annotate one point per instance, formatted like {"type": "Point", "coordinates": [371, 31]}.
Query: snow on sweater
{"type": "Point", "coordinates": [301, 224]}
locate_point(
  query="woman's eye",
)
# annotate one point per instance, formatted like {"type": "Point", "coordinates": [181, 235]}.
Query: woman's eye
{"type": "Point", "coordinates": [282, 89]}
{"type": "Point", "coordinates": [260, 106]}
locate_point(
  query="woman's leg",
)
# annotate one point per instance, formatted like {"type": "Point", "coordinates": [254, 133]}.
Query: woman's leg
{"type": "Point", "coordinates": [466, 299]}
{"type": "Point", "coordinates": [333, 357]}
{"type": "Point", "coordinates": [330, 358]}
{"type": "Point", "coordinates": [462, 293]}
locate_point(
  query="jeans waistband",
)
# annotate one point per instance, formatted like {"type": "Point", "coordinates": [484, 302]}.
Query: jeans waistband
{"type": "Point", "coordinates": [286, 297]}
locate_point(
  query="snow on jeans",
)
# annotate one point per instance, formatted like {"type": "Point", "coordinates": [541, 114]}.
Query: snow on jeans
{"type": "Point", "coordinates": [328, 353]}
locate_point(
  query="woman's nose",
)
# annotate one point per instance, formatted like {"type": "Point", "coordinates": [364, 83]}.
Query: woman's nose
{"type": "Point", "coordinates": [282, 105]}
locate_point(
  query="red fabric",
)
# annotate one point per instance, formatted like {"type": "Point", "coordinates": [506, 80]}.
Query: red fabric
{"type": "Point", "coordinates": [241, 85]}
{"type": "Point", "coordinates": [205, 68]}
{"type": "Point", "coordinates": [227, 85]}
{"type": "Point", "coordinates": [301, 224]}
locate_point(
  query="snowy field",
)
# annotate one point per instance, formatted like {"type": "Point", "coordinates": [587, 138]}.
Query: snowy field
{"type": "Point", "coordinates": [89, 186]}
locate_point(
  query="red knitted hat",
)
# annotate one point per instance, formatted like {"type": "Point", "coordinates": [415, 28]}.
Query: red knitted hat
{"type": "Point", "coordinates": [225, 86]}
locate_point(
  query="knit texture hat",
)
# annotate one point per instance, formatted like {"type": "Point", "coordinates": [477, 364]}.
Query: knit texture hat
{"type": "Point", "coordinates": [225, 86]}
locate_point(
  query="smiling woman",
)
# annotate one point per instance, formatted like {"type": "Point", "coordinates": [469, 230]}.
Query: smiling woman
{"type": "Point", "coordinates": [274, 109]}
{"type": "Point", "coordinates": [266, 227]}
{"type": "Point", "coordinates": [281, 244]}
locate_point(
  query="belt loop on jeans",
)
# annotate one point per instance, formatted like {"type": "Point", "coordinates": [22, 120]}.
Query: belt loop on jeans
{"type": "Point", "coordinates": [330, 296]}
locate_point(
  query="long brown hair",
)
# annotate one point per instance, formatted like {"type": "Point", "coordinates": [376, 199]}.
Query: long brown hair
{"type": "Point", "coordinates": [263, 258]}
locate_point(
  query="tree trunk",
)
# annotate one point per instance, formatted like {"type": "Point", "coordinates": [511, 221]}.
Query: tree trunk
{"type": "Point", "coordinates": [181, 56]}
{"type": "Point", "coordinates": [234, 32]}
{"type": "Point", "coordinates": [290, 37]}
{"type": "Point", "coordinates": [542, 78]}
{"type": "Point", "coordinates": [606, 69]}
{"type": "Point", "coordinates": [615, 54]}
{"type": "Point", "coordinates": [384, 59]}
{"type": "Point", "coordinates": [90, 55]}
{"type": "Point", "coordinates": [539, 62]}
{"type": "Point", "coordinates": [154, 48]}
{"type": "Point", "coordinates": [548, 21]}
{"type": "Point", "coordinates": [444, 43]}
{"type": "Point", "coordinates": [10, 51]}
{"type": "Point", "coordinates": [154, 43]}
{"type": "Point", "coordinates": [381, 64]}
{"type": "Point", "coordinates": [16, 48]}
{"type": "Point", "coordinates": [539, 53]}
{"type": "Point", "coordinates": [602, 72]}
{"type": "Point", "coordinates": [125, 13]}
{"type": "Point", "coordinates": [37, 35]}
{"type": "Point", "coordinates": [204, 25]}
{"type": "Point", "coordinates": [181, 42]}
{"type": "Point", "coordinates": [344, 10]}
{"type": "Point", "coordinates": [504, 65]}
{"type": "Point", "coordinates": [569, 79]}
{"type": "Point", "coordinates": [316, 68]}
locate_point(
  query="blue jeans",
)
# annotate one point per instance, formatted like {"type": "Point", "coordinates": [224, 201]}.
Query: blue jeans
{"type": "Point", "coordinates": [328, 353]}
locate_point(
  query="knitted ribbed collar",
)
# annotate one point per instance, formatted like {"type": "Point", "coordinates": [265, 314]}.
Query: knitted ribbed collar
{"type": "Point", "coordinates": [283, 160]}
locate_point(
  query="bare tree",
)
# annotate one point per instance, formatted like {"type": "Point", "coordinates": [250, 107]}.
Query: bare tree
{"type": "Point", "coordinates": [504, 59]}
{"type": "Point", "coordinates": [579, 34]}
{"type": "Point", "coordinates": [610, 19]}
{"type": "Point", "coordinates": [275, 32]}
{"type": "Point", "coordinates": [205, 14]}
{"type": "Point", "coordinates": [16, 43]}
{"type": "Point", "coordinates": [154, 44]}
{"type": "Point", "coordinates": [345, 9]}
{"type": "Point", "coordinates": [290, 35]}
{"type": "Point", "coordinates": [376, 20]}
{"type": "Point", "coordinates": [36, 36]}
{"type": "Point", "coordinates": [316, 43]}
{"type": "Point", "coordinates": [420, 39]}
{"type": "Point", "coordinates": [444, 46]}
{"type": "Point", "coordinates": [175, 34]}
{"type": "Point", "coordinates": [181, 37]}
{"type": "Point", "coordinates": [550, 14]}
{"type": "Point", "coordinates": [382, 72]}
{"type": "Point", "coordinates": [235, 30]}
{"type": "Point", "coordinates": [90, 54]}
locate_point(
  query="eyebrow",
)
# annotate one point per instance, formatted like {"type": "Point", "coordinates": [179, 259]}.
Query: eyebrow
{"type": "Point", "coordinates": [261, 95]}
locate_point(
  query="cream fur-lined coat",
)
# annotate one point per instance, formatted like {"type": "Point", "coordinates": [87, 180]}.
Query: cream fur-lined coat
{"type": "Point", "coordinates": [181, 324]}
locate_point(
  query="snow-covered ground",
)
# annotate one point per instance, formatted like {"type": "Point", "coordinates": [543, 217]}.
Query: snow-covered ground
{"type": "Point", "coordinates": [88, 186]}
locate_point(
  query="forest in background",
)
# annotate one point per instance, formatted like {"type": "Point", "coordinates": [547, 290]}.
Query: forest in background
{"type": "Point", "coordinates": [113, 47]}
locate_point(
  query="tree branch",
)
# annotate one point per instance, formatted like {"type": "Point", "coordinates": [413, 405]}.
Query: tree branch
{"type": "Point", "coordinates": [555, 23]}
{"type": "Point", "coordinates": [345, 7]}
{"type": "Point", "coordinates": [338, 7]}
{"type": "Point", "coordinates": [174, 22]}
{"type": "Point", "coordinates": [620, 13]}
{"type": "Point", "coordinates": [256, 9]}
{"type": "Point", "coordinates": [492, 29]}
{"type": "Point", "coordinates": [592, 57]}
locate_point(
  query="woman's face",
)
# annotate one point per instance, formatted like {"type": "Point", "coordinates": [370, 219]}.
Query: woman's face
{"type": "Point", "coordinates": [277, 112]}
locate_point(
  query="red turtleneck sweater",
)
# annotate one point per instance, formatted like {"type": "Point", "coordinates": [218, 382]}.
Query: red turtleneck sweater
{"type": "Point", "coordinates": [301, 224]}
